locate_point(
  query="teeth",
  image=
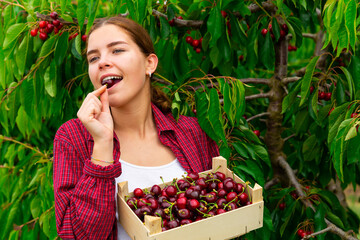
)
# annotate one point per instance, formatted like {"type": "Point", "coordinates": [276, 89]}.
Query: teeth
{"type": "Point", "coordinates": [110, 78]}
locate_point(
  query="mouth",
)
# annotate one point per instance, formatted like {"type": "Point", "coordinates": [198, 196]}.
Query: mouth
{"type": "Point", "coordinates": [111, 81]}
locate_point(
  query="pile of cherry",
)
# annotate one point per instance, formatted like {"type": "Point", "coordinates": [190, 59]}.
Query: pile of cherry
{"type": "Point", "coordinates": [189, 199]}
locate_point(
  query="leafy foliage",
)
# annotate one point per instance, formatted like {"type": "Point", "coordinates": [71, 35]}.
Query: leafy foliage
{"type": "Point", "coordinates": [42, 84]}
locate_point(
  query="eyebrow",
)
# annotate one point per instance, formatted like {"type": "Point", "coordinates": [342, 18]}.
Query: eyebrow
{"type": "Point", "coordinates": [108, 46]}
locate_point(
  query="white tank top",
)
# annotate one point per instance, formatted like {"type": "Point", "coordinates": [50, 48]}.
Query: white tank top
{"type": "Point", "coordinates": [142, 177]}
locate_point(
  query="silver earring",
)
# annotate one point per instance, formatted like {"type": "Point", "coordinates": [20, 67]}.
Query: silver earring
{"type": "Point", "coordinates": [149, 74]}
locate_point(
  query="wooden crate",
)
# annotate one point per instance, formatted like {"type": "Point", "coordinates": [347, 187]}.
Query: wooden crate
{"type": "Point", "coordinates": [223, 226]}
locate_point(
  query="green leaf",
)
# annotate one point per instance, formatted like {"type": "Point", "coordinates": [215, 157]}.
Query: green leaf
{"type": "Point", "coordinates": [228, 103]}
{"type": "Point", "coordinates": [164, 27]}
{"type": "Point", "coordinates": [335, 219]}
{"type": "Point", "coordinates": [267, 52]}
{"type": "Point", "coordinates": [215, 56]}
{"type": "Point", "coordinates": [50, 78]}
{"type": "Point", "coordinates": [21, 55]}
{"type": "Point", "coordinates": [275, 28]}
{"type": "Point", "coordinates": [239, 99]}
{"type": "Point", "coordinates": [306, 81]}
{"type": "Point", "coordinates": [254, 170]}
{"type": "Point", "coordinates": [215, 116]}
{"type": "Point", "coordinates": [13, 33]}
{"type": "Point", "coordinates": [2, 70]}
{"type": "Point", "coordinates": [237, 33]}
{"type": "Point", "coordinates": [47, 47]}
{"type": "Point", "coordinates": [352, 133]}
{"type": "Point", "coordinates": [350, 21]}
{"type": "Point", "coordinates": [261, 152]}
{"type": "Point", "coordinates": [202, 105]}
{"type": "Point", "coordinates": [291, 97]}
{"type": "Point", "coordinates": [296, 25]}
{"type": "Point", "coordinates": [61, 48]}
{"type": "Point", "coordinates": [181, 63]}
{"type": "Point", "coordinates": [314, 102]}
{"type": "Point", "coordinates": [240, 149]}
{"type": "Point", "coordinates": [63, 4]}
{"type": "Point", "coordinates": [216, 24]}
{"type": "Point", "coordinates": [310, 148]}
{"type": "Point", "coordinates": [35, 206]}
{"type": "Point", "coordinates": [81, 13]}
{"type": "Point", "coordinates": [350, 82]}
{"type": "Point", "coordinates": [92, 14]}
{"type": "Point", "coordinates": [141, 9]}
{"type": "Point", "coordinates": [353, 150]}
{"type": "Point", "coordinates": [340, 93]}
{"type": "Point", "coordinates": [22, 120]}
{"type": "Point", "coordinates": [320, 223]}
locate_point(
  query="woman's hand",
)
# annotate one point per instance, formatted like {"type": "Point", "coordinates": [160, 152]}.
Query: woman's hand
{"type": "Point", "coordinates": [95, 114]}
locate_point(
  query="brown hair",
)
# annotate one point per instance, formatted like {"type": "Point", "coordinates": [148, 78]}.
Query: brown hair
{"type": "Point", "coordinates": [141, 37]}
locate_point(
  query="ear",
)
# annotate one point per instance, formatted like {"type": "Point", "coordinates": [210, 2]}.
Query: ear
{"type": "Point", "coordinates": [151, 63]}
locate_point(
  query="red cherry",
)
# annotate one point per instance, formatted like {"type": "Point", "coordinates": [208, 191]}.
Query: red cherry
{"type": "Point", "coordinates": [194, 204]}
{"type": "Point", "coordinates": [49, 28]}
{"type": "Point", "coordinates": [285, 28]}
{"type": "Point", "coordinates": [241, 58]}
{"type": "Point", "coordinates": [83, 38]}
{"type": "Point", "coordinates": [353, 115]}
{"type": "Point", "coordinates": [189, 40]}
{"type": "Point", "coordinates": [264, 31]}
{"type": "Point", "coordinates": [43, 36]}
{"type": "Point", "coordinates": [311, 89]}
{"type": "Point", "coordinates": [290, 48]}
{"type": "Point", "coordinates": [282, 33]}
{"type": "Point", "coordinates": [180, 17]}
{"type": "Point", "coordinates": [294, 48]}
{"type": "Point", "coordinates": [34, 32]}
{"type": "Point", "coordinates": [59, 26]}
{"type": "Point", "coordinates": [322, 95]}
{"type": "Point", "coordinates": [328, 96]}
{"type": "Point", "coordinates": [300, 232]}
{"type": "Point", "coordinates": [223, 13]}
{"type": "Point", "coordinates": [270, 28]}
{"type": "Point", "coordinates": [56, 22]}
{"type": "Point", "coordinates": [243, 198]}
{"type": "Point", "coordinates": [172, 22]}
{"type": "Point", "coordinates": [257, 133]}
{"type": "Point", "coordinates": [198, 50]}
{"type": "Point", "coordinates": [282, 206]}
{"type": "Point", "coordinates": [54, 15]}
{"type": "Point", "coordinates": [42, 24]}
{"type": "Point", "coordinates": [195, 43]}
{"type": "Point", "coordinates": [138, 192]}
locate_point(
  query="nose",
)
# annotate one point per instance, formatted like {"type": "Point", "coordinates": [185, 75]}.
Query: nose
{"type": "Point", "coordinates": [104, 63]}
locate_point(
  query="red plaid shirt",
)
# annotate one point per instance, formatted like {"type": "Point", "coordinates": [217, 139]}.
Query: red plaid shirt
{"type": "Point", "coordinates": [84, 192]}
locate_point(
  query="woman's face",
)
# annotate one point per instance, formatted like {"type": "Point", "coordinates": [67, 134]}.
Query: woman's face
{"type": "Point", "coordinates": [114, 58]}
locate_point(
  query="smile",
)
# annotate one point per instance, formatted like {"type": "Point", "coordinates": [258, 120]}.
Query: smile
{"type": "Point", "coordinates": [111, 81]}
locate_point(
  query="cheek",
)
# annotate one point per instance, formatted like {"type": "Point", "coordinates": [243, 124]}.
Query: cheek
{"type": "Point", "coordinates": [92, 75]}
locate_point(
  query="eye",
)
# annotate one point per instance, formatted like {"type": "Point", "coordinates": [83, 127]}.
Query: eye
{"type": "Point", "coordinates": [118, 50]}
{"type": "Point", "coordinates": [92, 59]}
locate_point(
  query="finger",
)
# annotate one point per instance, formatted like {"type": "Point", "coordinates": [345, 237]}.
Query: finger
{"type": "Point", "coordinates": [99, 91]}
{"type": "Point", "coordinates": [104, 98]}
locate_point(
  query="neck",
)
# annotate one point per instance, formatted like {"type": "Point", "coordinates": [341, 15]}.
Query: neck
{"type": "Point", "coordinates": [136, 121]}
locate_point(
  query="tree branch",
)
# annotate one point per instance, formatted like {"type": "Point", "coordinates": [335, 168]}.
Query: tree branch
{"type": "Point", "coordinates": [255, 80]}
{"type": "Point", "coordinates": [260, 95]}
{"type": "Point", "coordinates": [271, 183]}
{"type": "Point", "coordinates": [294, 182]}
{"type": "Point", "coordinates": [180, 22]}
{"type": "Point", "coordinates": [257, 116]}
{"type": "Point", "coordinates": [317, 233]}
{"type": "Point", "coordinates": [290, 79]}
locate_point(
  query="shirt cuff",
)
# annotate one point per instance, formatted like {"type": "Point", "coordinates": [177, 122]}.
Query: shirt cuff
{"type": "Point", "coordinates": [111, 171]}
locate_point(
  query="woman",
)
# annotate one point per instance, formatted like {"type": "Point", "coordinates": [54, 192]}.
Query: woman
{"type": "Point", "coordinates": [124, 131]}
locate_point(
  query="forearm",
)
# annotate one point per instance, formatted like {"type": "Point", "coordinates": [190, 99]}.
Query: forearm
{"type": "Point", "coordinates": [103, 152]}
